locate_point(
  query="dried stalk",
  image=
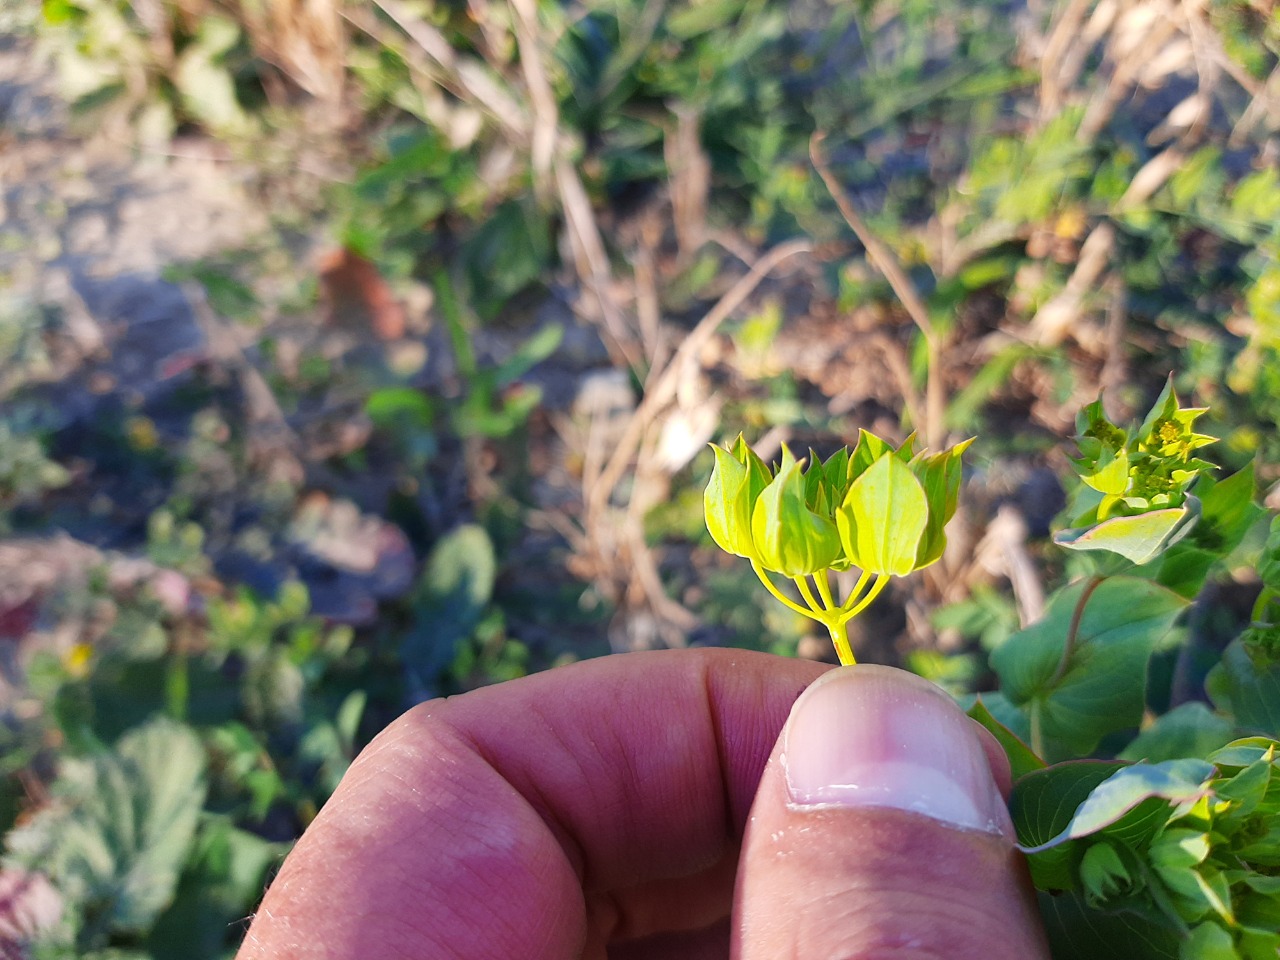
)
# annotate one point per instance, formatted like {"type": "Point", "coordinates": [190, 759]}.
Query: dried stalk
{"type": "Point", "coordinates": [598, 489]}
{"type": "Point", "coordinates": [884, 261]}
{"type": "Point", "coordinates": [1057, 70]}
{"type": "Point", "coordinates": [463, 76]}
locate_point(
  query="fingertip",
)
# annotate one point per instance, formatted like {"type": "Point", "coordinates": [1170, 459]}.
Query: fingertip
{"type": "Point", "coordinates": [880, 829]}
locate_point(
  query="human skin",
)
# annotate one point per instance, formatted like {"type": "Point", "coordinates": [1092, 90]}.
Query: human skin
{"type": "Point", "coordinates": [606, 810]}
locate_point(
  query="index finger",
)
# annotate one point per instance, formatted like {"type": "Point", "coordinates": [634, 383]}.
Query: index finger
{"type": "Point", "coordinates": [497, 823]}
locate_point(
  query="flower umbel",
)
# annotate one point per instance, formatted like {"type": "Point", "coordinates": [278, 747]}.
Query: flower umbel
{"type": "Point", "coordinates": [1140, 478]}
{"type": "Point", "coordinates": [878, 508]}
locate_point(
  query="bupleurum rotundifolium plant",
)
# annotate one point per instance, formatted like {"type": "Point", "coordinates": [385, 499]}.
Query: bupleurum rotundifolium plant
{"type": "Point", "coordinates": [1174, 856]}
{"type": "Point", "coordinates": [879, 509]}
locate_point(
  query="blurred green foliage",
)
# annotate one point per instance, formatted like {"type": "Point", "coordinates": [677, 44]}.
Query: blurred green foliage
{"type": "Point", "coordinates": [1067, 223]}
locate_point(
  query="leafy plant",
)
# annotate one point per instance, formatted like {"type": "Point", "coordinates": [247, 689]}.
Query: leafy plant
{"type": "Point", "coordinates": [158, 70]}
{"type": "Point", "coordinates": [117, 837]}
{"type": "Point", "coordinates": [1162, 844]}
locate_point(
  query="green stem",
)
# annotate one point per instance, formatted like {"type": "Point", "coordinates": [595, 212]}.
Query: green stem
{"type": "Point", "coordinates": [1037, 729]}
{"type": "Point", "coordinates": [824, 588]}
{"type": "Point", "coordinates": [1073, 631]}
{"type": "Point", "coordinates": [854, 594]}
{"type": "Point", "coordinates": [882, 581]}
{"type": "Point", "coordinates": [803, 586]}
{"type": "Point", "coordinates": [779, 595]}
{"type": "Point", "coordinates": [840, 637]}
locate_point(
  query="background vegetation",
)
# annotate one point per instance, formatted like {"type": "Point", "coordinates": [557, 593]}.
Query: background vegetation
{"type": "Point", "coordinates": [438, 418]}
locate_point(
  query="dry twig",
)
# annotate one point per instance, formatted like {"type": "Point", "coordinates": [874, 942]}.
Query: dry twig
{"type": "Point", "coordinates": [887, 264]}
{"type": "Point", "coordinates": [598, 489]}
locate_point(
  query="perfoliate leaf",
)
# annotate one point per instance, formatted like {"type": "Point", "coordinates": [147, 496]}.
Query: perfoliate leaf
{"type": "Point", "coordinates": [1188, 730]}
{"type": "Point", "coordinates": [1208, 941]}
{"type": "Point", "coordinates": [1176, 781]}
{"type": "Point", "coordinates": [1102, 687]}
{"type": "Point", "coordinates": [450, 599]}
{"type": "Point", "coordinates": [1041, 806]}
{"type": "Point", "coordinates": [1022, 759]}
{"type": "Point", "coordinates": [1247, 691]}
{"type": "Point", "coordinates": [1078, 932]}
{"type": "Point", "coordinates": [1244, 752]}
{"type": "Point", "coordinates": [1269, 562]}
{"type": "Point", "coordinates": [788, 537]}
{"type": "Point", "coordinates": [883, 517]}
{"type": "Point", "coordinates": [1138, 539]}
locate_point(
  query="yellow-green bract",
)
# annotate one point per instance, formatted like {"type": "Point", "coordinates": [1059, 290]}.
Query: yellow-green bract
{"type": "Point", "coordinates": [879, 508]}
{"type": "Point", "coordinates": [1138, 479]}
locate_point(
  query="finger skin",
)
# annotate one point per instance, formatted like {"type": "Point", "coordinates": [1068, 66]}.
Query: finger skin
{"type": "Point", "coordinates": [832, 882]}
{"type": "Point", "coordinates": [543, 818]}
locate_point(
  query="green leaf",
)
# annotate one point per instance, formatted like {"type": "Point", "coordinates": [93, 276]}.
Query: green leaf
{"type": "Point", "coordinates": [1105, 875]}
{"type": "Point", "coordinates": [221, 885]}
{"type": "Point", "coordinates": [204, 83]}
{"type": "Point", "coordinates": [758, 471]}
{"type": "Point", "coordinates": [1138, 539]}
{"type": "Point", "coordinates": [529, 354]}
{"type": "Point", "coordinates": [399, 407]}
{"type": "Point", "coordinates": [119, 833]}
{"type": "Point", "coordinates": [1022, 759]}
{"type": "Point", "coordinates": [1102, 688]}
{"type": "Point", "coordinates": [1269, 562]}
{"type": "Point", "coordinates": [1175, 781]}
{"type": "Point", "coordinates": [1246, 691]}
{"type": "Point", "coordinates": [452, 596]}
{"type": "Point", "coordinates": [1247, 789]}
{"type": "Point", "coordinates": [1257, 197]}
{"type": "Point", "coordinates": [510, 250]}
{"type": "Point", "coordinates": [1227, 509]}
{"type": "Point", "coordinates": [1208, 941]}
{"type": "Point", "coordinates": [836, 470]}
{"type": "Point", "coordinates": [788, 537]}
{"type": "Point", "coordinates": [1078, 932]}
{"type": "Point", "coordinates": [347, 720]}
{"type": "Point", "coordinates": [1244, 752]}
{"type": "Point", "coordinates": [1042, 805]}
{"type": "Point", "coordinates": [883, 517]}
{"type": "Point", "coordinates": [1188, 730]}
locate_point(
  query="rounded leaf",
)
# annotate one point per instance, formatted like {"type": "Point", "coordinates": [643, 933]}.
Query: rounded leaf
{"type": "Point", "coordinates": [1138, 539]}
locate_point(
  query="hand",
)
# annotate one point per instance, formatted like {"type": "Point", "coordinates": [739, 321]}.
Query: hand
{"type": "Point", "coordinates": [600, 810]}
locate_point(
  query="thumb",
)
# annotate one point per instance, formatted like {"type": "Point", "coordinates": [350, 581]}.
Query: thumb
{"type": "Point", "coordinates": [879, 831]}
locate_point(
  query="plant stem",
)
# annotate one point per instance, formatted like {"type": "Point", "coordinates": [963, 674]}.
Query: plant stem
{"type": "Point", "coordinates": [803, 585]}
{"type": "Point", "coordinates": [1073, 631]}
{"type": "Point", "coordinates": [779, 595]}
{"type": "Point", "coordinates": [840, 637]}
{"type": "Point", "coordinates": [854, 594]}
{"type": "Point", "coordinates": [1037, 730]}
{"type": "Point", "coordinates": [882, 581]}
{"type": "Point", "coordinates": [824, 588]}
{"type": "Point", "coordinates": [884, 260]}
